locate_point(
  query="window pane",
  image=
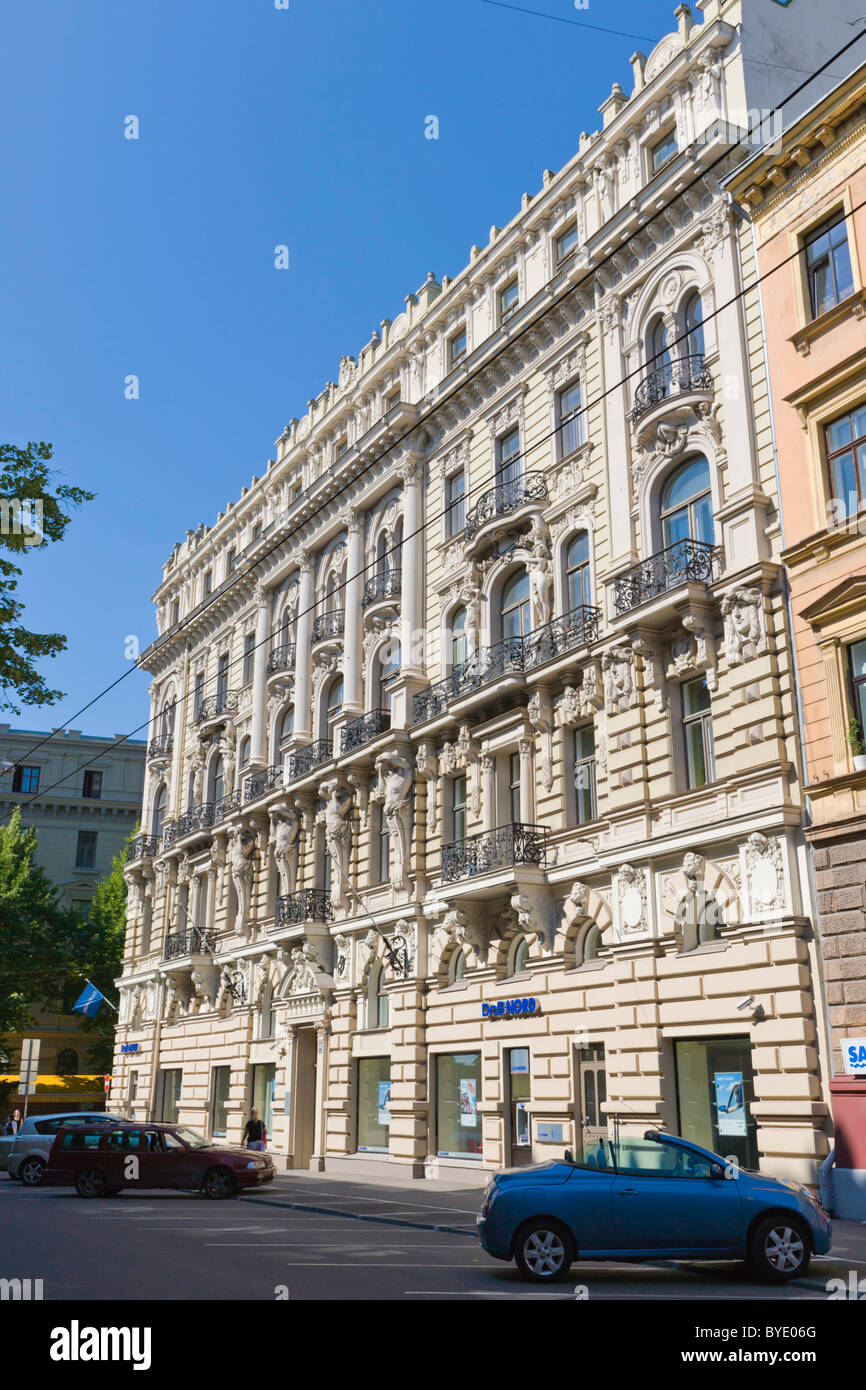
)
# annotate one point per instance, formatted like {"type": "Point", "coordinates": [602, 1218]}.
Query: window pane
{"type": "Point", "coordinates": [374, 1099]}
{"type": "Point", "coordinates": [839, 432]}
{"type": "Point", "coordinates": [858, 659]}
{"type": "Point", "coordinates": [844, 481]}
{"type": "Point", "coordinates": [566, 243]}
{"type": "Point", "coordinates": [696, 697]}
{"type": "Point", "coordinates": [458, 1091]}
{"type": "Point", "coordinates": [704, 527]}
{"type": "Point", "coordinates": [688, 482]}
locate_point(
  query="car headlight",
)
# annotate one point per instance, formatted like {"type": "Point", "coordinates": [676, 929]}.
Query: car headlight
{"type": "Point", "coordinates": [253, 1164]}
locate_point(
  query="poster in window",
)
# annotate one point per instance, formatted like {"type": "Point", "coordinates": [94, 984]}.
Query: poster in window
{"type": "Point", "coordinates": [468, 1101]}
{"type": "Point", "coordinates": [730, 1102]}
{"type": "Point", "coordinates": [521, 1125]}
{"type": "Point", "coordinates": [384, 1115]}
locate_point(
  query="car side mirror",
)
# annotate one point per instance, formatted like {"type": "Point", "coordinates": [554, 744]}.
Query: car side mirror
{"type": "Point", "coordinates": [716, 1170]}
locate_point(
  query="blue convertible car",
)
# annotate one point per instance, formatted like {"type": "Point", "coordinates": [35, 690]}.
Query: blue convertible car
{"type": "Point", "coordinates": [653, 1198]}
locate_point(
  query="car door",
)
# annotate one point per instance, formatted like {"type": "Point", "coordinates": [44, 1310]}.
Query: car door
{"type": "Point", "coordinates": [586, 1203]}
{"type": "Point", "coordinates": [665, 1201]}
{"type": "Point", "coordinates": [153, 1159]}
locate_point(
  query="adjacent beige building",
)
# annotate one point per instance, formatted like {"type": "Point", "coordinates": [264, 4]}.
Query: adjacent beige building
{"type": "Point", "coordinates": [473, 813]}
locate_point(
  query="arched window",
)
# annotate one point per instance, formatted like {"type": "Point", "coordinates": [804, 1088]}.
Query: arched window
{"type": "Point", "coordinates": [160, 806]}
{"type": "Point", "coordinates": [388, 664]}
{"type": "Point", "coordinates": [383, 555]}
{"type": "Point", "coordinates": [659, 353]}
{"type": "Point", "coordinates": [520, 958]}
{"type": "Point", "coordinates": [592, 942]}
{"type": "Point", "coordinates": [397, 546]}
{"type": "Point", "coordinates": [699, 918]}
{"type": "Point", "coordinates": [67, 1062]}
{"type": "Point", "coordinates": [284, 635]}
{"type": "Point", "coordinates": [190, 791]}
{"type": "Point", "coordinates": [578, 589]}
{"type": "Point", "coordinates": [245, 751]}
{"type": "Point", "coordinates": [458, 966]}
{"type": "Point", "coordinates": [516, 618]}
{"type": "Point", "coordinates": [267, 1019]}
{"type": "Point", "coordinates": [459, 650]}
{"type": "Point", "coordinates": [333, 594]}
{"type": "Point", "coordinates": [217, 790]}
{"type": "Point", "coordinates": [377, 999]}
{"type": "Point", "coordinates": [334, 706]}
{"type": "Point", "coordinates": [166, 722]}
{"type": "Point", "coordinates": [687, 504]}
{"type": "Point", "coordinates": [285, 730]}
{"type": "Point", "coordinates": [694, 325]}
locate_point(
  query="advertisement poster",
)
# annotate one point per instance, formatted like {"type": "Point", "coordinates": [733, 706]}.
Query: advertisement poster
{"type": "Point", "coordinates": [468, 1101]}
{"type": "Point", "coordinates": [730, 1102]}
{"type": "Point", "coordinates": [384, 1115]}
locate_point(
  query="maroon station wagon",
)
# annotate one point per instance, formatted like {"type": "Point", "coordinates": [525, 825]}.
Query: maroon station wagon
{"type": "Point", "coordinates": [98, 1160]}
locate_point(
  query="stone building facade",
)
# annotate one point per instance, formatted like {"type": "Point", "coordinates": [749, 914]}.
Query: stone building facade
{"type": "Point", "coordinates": [808, 223]}
{"type": "Point", "coordinates": [474, 801]}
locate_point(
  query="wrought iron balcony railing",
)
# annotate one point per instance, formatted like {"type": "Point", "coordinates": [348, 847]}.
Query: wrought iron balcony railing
{"type": "Point", "coordinates": [281, 658]}
{"type": "Point", "coordinates": [505, 498]}
{"type": "Point", "coordinates": [142, 847]}
{"type": "Point", "coordinates": [196, 818]}
{"type": "Point", "coordinates": [667, 569]}
{"type": "Point", "coordinates": [675, 378]}
{"type": "Point", "coordinates": [514, 654]}
{"type": "Point", "coordinates": [385, 585]}
{"type": "Point", "coordinates": [161, 746]}
{"type": "Point", "coordinates": [329, 625]}
{"type": "Point", "coordinates": [188, 943]}
{"type": "Point", "coordinates": [226, 804]}
{"type": "Point", "coordinates": [306, 759]}
{"type": "Point", "coordinates": [215, 705]}
{"type": "Point", "coordinates": [490, 850]}
{"type": "Point", "coordinates": [366, 727]}
{"type": "Point", "coordinates": [260, 783]}
{"type": "Point", "coordinates": [309, 905]}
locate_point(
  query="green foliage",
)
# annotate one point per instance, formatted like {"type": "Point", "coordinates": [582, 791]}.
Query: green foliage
{"type": "Point", "coordinates": [104, 932]}
{"type": "Point", "coordinates": [25, 477]}
{"type": "Point", "coordinates": [855, 737]}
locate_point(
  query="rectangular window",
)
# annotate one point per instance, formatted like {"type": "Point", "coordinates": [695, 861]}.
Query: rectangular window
{"type": "Point", "coordinates": [828, 264]}
{"type": "Point", "coordinates": [514, 788]}
{"type": "Point", "coordinates": [170, 1082]}
{"type": "Point", "coordinates": [458, 1091]}
{"type": "Point", "coordinates": [222, 684]}
{"type": "Point", "coordinates": [198, 693]}
{"type": "Point", "coordinates": [92, 784]}
{"type": "Point", "coordinates": [664, 150]}
{"type": "Point", "coordinates": [509, 301]}
{"type": "Point", "coordinates": [698, 732]}
{"type": "Point", "coordinates": [25, 779]}
{"type": "Point", "coordinates": [249, 656]}
{"type": "Point", "coordinates": [584, 774]}
{"type": "Point", "coordinates": [374, 1101]}
{"type": "Point", "coordinates": [231, 561]}
{"type": "Point", "coordinates": [455, 504]}
{"type": "Point", "coordinates": [570, 419]}
{"type": "Point", "coordinates": [133, 1087]}
{"type": "Point", "coordinates": [508, 462]}
{"type": "Point", "coordinates": [857, 654]}
{"type": "Point", "coordinates": [566, 242]}
{"type": "Point", "coordinates": [846, 459]}
{"type": "Point", "coordinates": [458, 808]}
{"type": "Point", "coordinates": [342, 447]}
{"type": "Point", "coordinates": [392, 400]}
{"type": "Point", "coordinates": [457, 347]}
{"type": "Point", "coordinates": [222, 1077]}
{"type": "Point", "coordinates": [715, 1096]}
{"type": "Point", "coordinates": [264, 1083]}
{"type": "Point", "coordinates": [85, 853]}
{"type": "Point", "coordinates": [383, 848]}
{"type": "Point", "coordinates": [208, 582]}
{"type": "Point", "coordinates": [257, 531]}
{"type": "Point", "coordinates": [175, 612]}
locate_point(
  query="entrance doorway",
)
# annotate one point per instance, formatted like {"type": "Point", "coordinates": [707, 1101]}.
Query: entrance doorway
{"type": "Point", "coordinates": [304, 1124]}
{"type": "Point", "coordinates": [263, 1093]}
{"type": "Point", "coordinates": [591, 1090]}
{"type": "Point", "coordinates": [519, 1087]}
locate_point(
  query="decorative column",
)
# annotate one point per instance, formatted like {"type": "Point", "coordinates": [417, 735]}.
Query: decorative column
{"type": "Point", "coordinates": [353, 699]}
{"type": "Point", "coordinates": [488, 781]}
{"type": "Point", "coordinates": [174, 807]}
{"type": "Point", "coordinates": [317, 1161]}
{"type": "Point", "coordinates": [304, 639]}
{"type": "Point", "coordinates": [258, 752]}
{"type": "Point", "coordinates": [527, 813]}
{"type": "Point", "coordinates": [412, 578]}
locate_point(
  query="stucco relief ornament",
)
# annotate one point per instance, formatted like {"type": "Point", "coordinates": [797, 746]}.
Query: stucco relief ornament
{"type": "Point", "coordinates": [540, 718]}
{"type": "Point", "coordinates": [462, 756]}
{"type": "Point", "coordinates": [334, 817]}
{"type": "Point", "coordinates": [347, 372]}
{"type": "Point", "coordinates": [304, 971]}
{"type": "Point", "coordinates": [369, 949]}
{"type": "Point", "coordinates": [540, 571]}
{"type": "Point", "coordinates": [342, 948]}
{"type": "Point", "coordinates": [404, 944]}
{"type": "Point", "coordinates": [765, 873]}
{"type": "Point", "coordinates": [426, 765]}
{"type": "Point", "coordinates": [631, 894]}
{"type": "Point", "coordinates": [241, 846]}
{"type": "Point", "coordinates": [205, 982]}
{"type": "Point", "coordinates": [620, 689]}
{"type": "Point", "coordinates": [285, 827]}
{"type": "Point", "coordinates": [745, 633]}
{"type": "Point", "coordinates": [457, 928]}
{"type": "Point", "coordinates": [394, 790]}
{"type": "Point", "coordinates": [694, 866]}
{"type": "Point", "coordinates": [579, 898]}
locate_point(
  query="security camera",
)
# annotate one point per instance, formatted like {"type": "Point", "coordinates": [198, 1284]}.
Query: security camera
{"type": "Point", "coordinates": [746, 1003]}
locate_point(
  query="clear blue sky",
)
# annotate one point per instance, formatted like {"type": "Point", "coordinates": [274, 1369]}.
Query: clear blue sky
{"type": "Point", "coordinates": [258, 126]}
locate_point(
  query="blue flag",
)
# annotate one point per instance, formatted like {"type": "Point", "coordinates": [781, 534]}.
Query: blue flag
{"type": "Point", "coordinates": [88, 1001]}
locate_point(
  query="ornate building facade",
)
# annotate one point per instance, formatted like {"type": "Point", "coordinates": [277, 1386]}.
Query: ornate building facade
{"type": "Point", "coordinates": [473, 815]}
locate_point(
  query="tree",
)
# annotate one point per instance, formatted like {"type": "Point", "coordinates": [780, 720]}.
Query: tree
{"type": "Point", "coordinates": [32, 515]}
{"type": "Point", "coordinates": [101, 943]}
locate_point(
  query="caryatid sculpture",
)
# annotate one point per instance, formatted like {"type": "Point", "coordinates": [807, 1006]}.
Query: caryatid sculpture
{"type": "Point", "coordinates": [394, 790]}
{"type": "Point", "coordinates": [241, 848]}
{"type": "Point", "coordinates": [285, 826]}
{"type": "Point", "coordinates": [334, 817]}
{"type": "Point", "coordinates": [539, 567]}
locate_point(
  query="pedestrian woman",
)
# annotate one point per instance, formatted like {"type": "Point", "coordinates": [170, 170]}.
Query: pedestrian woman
{"type": "Point", "coordinates": [255, 1134]}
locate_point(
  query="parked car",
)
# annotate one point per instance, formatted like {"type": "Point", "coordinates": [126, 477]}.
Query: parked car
{"type": "Point", "coordinates": [28, 1153]}
{"type": "Point", "coordinates": [659, 1197]}
{"type": "Point", "coordinates": [97, 1160]}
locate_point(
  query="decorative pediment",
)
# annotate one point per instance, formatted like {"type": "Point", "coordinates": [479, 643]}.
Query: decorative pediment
{"type": "Point", "coordinates": [837, 604]}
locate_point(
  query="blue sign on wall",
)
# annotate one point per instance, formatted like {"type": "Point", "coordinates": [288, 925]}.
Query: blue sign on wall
{"type": "Point", "coordinates": [129, 1047]}
{"type": "Point", "coordinates": [509, 1008]}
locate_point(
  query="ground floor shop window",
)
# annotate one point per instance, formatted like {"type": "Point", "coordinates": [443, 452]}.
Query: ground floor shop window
{"type": "Point", "coordinates": [222, 1077]}
{"type": "Point", "coordinates": [169, 1091]}
{"type": "Point", "coordinates": [715, 1094]}
{"type": "Point", "coordinates": [263, 1093]}
{"type": "Point", "coordinates": [374, 1102]}
{"type": "Point", "coordinates": [458, 1091]}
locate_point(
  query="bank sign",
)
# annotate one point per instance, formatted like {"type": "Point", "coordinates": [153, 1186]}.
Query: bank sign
{"type": "Point", "coordinates": [854, 1056]}
{"type": "Point", "coordinates": [509, 1008]}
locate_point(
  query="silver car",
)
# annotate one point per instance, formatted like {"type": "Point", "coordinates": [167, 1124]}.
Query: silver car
{"type": "Point", "coordinates": [28, 1155]}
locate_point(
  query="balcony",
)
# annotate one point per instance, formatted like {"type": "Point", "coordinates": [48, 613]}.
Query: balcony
{"type": "Point", "coordinates": [263, 782]}
{"type": "Point", "coordinates": [668, 569]}
{"type": "Point", "coordinates": [306, 759]}
{"type": "Point", "coordinates": [142, 847]}
{"type": "Point", "coordinates": [491, 850]}
{"type": "Point", "coordinates": [514, 655]}
{"type": "Point", "coordinates": [197, 818]}
{"type": "Point", "coordinates": [281, 658]}
{"type": "Point", "coordinates": [309, 905]}
{"type": "Point", "coordinates": [188, 943]}
{"type": "Point", "coordinates": [160, 747]}
{"type": "Point", "coordinates": [215, 706]}
{"type": "Point", "coordinates": [381, 587]}
{"type": "Point", "coordinates": [365, 728]}
{"type": "Point", "coordinates": [329, 625]}
{"type": "Point", "coordinates": [683, 377]}
{"type": "Point", "coordinates": [225, 806]}
{"type": "Point", "coordinates": [505, 499]}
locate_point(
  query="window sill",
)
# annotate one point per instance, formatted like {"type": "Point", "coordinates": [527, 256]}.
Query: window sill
{"type": "Point", "coordinates": [853, 304]}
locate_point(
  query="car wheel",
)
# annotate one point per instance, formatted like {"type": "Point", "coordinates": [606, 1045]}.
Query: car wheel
{"type": "Point", "coordinates": [217, 1183]}
{"type": "Point", "coordinates": [544, 1251]}
{"type": "Point", "coordinates": [31, 1171]}
{"type": "Point", "coordinates": [780, 1248]}
{"type": "Point", "coordinates": [91, 1183]}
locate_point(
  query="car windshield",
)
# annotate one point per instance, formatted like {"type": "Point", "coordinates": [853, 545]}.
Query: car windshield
{"type": "Point", "coordinates": [642, 1158]}
{"type": "Point", "coordinates": [190, 1137]}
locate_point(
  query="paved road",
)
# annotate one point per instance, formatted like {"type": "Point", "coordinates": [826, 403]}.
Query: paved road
{"type": "Point", "coordinates": [312, 1237]}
